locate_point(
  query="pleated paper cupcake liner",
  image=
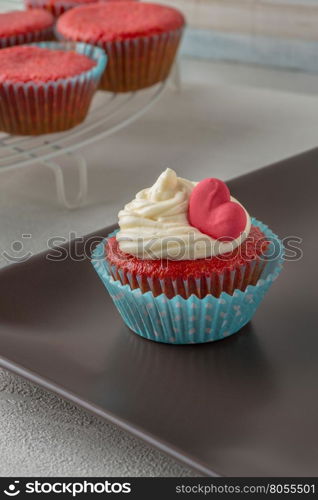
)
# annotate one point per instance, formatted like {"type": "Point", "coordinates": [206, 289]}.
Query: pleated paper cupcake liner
{"type": "Point", "coordinates": [188, 320]}
{"type": "Point", "coordinates": [53, 106]}
{"type": "Point", "coordinates": [140, 62]}
{"type": "Point", "coordinates": [25, 38]}
{"type": "Point", "coordinates": [214, 284]}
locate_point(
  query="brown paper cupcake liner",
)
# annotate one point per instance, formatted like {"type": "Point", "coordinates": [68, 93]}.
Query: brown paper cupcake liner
{"type": "Point", "coordinates": [53, 106]}
{"type": "Point", "coordinates": [43, 35]}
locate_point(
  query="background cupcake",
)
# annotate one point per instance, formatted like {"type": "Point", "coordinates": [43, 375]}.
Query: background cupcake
{"type": "Point", "coordinates": [140, 39]}
{"type": "Point", "coordinates": [174, 283]}
{"type": "Point", "coordinates": [19, 27]}
{"type": "Point", "coordinates": [47, 87]}
{"type": "Point", "coordinates": [55, 7]}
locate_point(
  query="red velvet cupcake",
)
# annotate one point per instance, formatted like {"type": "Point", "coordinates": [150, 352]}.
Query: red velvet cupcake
{"type": "Point", "coordinates": [20, 27]}
{"type": "Point", "coordinates": [48, 87]}
{"type": "Point", "coordinates": [140, 39]}
{"type": "Point", "coordinates": [214, 275]}
{"type": "Point", "coordinates": [188, 264]}
{"type": "Point", "coordinates": [163, 249]}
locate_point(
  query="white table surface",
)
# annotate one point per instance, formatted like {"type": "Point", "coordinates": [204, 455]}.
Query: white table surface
{"type": "Point", "coordinates": [229, 119]}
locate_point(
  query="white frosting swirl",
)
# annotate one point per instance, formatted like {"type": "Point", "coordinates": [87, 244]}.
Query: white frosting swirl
{"type": "Point", "coordinates": [155, 224]}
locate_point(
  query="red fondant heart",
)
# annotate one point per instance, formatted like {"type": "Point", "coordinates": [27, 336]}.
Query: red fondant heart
{"type": "Point", "coordinates": [213, 213]}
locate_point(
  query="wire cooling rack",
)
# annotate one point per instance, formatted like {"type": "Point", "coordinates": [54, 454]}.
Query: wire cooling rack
{"type": "Point", "coordinates": [109, 113]}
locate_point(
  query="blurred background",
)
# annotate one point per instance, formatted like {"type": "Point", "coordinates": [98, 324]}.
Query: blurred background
{"type": "Point", "coordinates": [281, 33]}
{"type": "Point", "coordinates": [248, 98]}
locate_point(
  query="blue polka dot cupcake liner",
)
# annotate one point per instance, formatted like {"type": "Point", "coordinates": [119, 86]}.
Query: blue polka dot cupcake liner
{"type": "Point", "coordinates": [192, 320]}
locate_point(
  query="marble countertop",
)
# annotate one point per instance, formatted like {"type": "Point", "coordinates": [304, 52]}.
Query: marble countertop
{"type": "Point", "coordinates": [227, 120]}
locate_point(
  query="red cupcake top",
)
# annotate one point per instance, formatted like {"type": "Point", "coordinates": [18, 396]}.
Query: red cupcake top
{"type": "Point", "coordinates": [36, 64]}
{"type": "Point", "coordinates": [65, 4]}
{"type": "Point", "coordinates": [118, 21]}
{"type": "Point", "coordinates": [19, 22]}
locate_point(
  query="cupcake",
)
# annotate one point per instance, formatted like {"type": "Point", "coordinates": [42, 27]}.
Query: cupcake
{"type": "Point", "coordinates": [19, 27]}
{"type": "Point", "coordinates": [140, 39]}
{"type": "Point", "coordinates": [47, 87]}
{"type": "Point", "coordinates": [56, 7]}
{"type": "Point", "coordinates": [188, 264]}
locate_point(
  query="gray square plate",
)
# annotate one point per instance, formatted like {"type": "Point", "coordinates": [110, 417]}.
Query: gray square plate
{"type": "Point", "coordinates": [247, 405]}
